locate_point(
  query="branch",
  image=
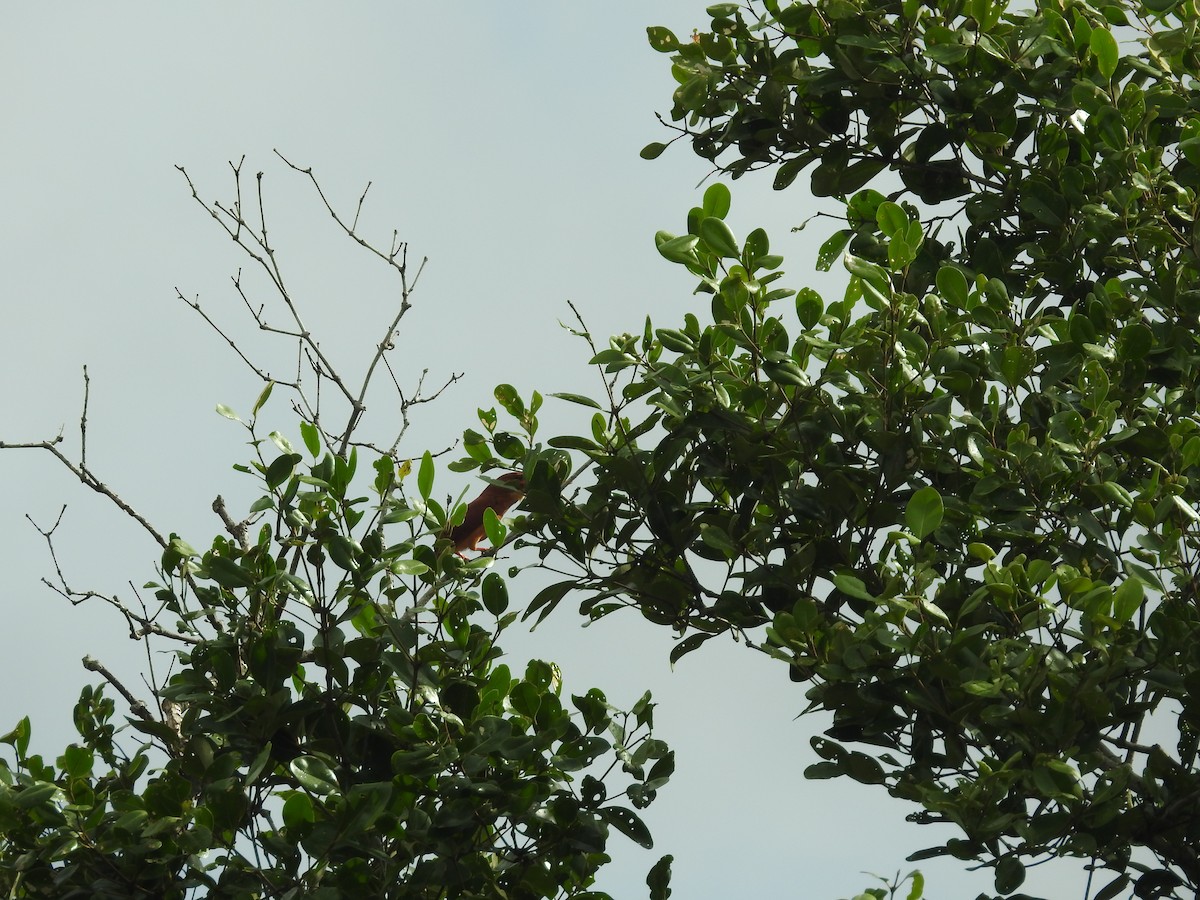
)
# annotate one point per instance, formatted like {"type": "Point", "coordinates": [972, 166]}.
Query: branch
{"type": "Point", "coordinates": [236, 529]}
{"type": "Point", "coordinates": [397, 258]}
{"type": "Point", "coordinates": [89, 480]}
{"type": "Point", "coordinates": [145, 624]}
{"type": "Point", "coordinates": [253, 239]}
{"type": "Point", "coordinates": [136, 706]}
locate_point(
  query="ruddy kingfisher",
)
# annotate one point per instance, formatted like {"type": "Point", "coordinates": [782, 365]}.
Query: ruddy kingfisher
{"type": "Point", "coordinates": [508, 491]}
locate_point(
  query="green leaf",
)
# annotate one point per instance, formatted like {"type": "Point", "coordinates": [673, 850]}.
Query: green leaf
{"type": "Point", "coordinates": [952, 285]}
{"type": "Point", "coordinates": [77, 761]}
{"type": "Point", "coordinates": [343, 551]}
{"type": "Point", "coordinates": [1127, 598]}
{"type": "Point", "coordinates": [717, 200]}
{"type": "Point", "coordinates": [508, 445]}
{"type": "Point", "coordinates": [628, 823]}
{"type": "Point", "coordinates": [662, 39]}
{"type": "Point", "coordinates": [680, 249]}
{"type": "Point", "coordinates": [425, 476]}
{"type": "Point", "coordinates": [35, 794]}
{"type": "Point", "coordinates": [311, 437]}
{"type": "Point", "coordinates": [1114, 888]}
{"type": "Point", "coordinates": [832, 249]}
{"type": "Point", "coordinates": [298, 810]}
{"type": "Point", "coordinates": [494, 528]}
{"type": "Point", "coordinates": [227, 412]}
{"type": "Point", "coordinates": [578, 398]}
{"type": "Point", "coordinates": [510, 400]}
{"type": "Point", "coordinates": [495, 593]}
{"type": "Point", "coordinates": [281, 441]}
{"type": "Point", "coordinates": [863, 768]}
{"type": "Point", "coordinates": [476, 446]}
{"type": "Point", "coordinates": [573, 442]}
{"type": "Point", "coordinates": [852, 586]}
{"type": "Point", "coordinates": [719, 239]}
{"type": "Point", "coordinates": [548, 597]}
{"type": "Point", "coordinates": [408, 567]}
{"type": "Point", "coordinates": [1016, 364]}
{"type": "Point", "coordinates": [1104, 48]}
{"type": "Point", "coordinates": [1010, 873]}
{"type": "Point", "coordinates": [809, 307]}
{"type": "Point", "coordinates": [227, 573]}
{"type": "Point", "coordinates": [281, 469]}
{"type": "Point", "coordinates": [653, 150]}
{"type": "Point", "coordinates": [262, 398]}
{"type": "Point", "coordinates": [314, 774]}
{"type": "Point", "coordinates": [924, 511]}
{"type": "Point", "coordinates": [675, 340]}
{"type": "Point", "coordinates": [891, 218]}
{"type": "Point", "coordinates": [687, 645]}
{"type": "Point", "coordinates": [18, 738]}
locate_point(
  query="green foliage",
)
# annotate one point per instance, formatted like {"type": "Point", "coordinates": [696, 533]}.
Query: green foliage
{"type": "Point", "coordinates": [958, 503]}
{"type": "Point", "coordinates": [895, 889]}
{"type": "Point", "coordinates": [337, 723]}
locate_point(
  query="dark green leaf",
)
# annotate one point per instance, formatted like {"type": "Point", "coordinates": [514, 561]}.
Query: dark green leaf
{"type": "Point", "coordinates": [662, 39]}
{"type": "Point", "coordinates": [659, 879]}
{"type": "Point", "coordinates": [628, 823]}
{"type": "Point", "coordinates": [314, 774]}
{"type": "Point", "coordinates": [578, 398]}
{"type": "Point", "coordinates": [1010, 873]}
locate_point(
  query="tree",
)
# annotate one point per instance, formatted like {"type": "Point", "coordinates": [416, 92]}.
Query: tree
{"type": "Point", "coordinates": [336, 721]}
{"type": "Point", "coordinates": [960, 503]}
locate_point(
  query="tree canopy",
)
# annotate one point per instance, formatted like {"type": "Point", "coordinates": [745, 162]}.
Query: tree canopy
{"type": "Point", "coordinates": [337, 719]}
{"type": "Point", "coordinates": [959, 502]}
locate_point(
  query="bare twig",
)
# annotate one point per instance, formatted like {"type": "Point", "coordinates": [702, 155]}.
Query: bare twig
{"type": "Point", "coordinates": [397, 258]}
{"type": "Point", "coordinates": [254, 241]}
{"type": "Point", "coordinates": [139, 625]}
{"type": "Point", "coordinates": [90, 480]}
{"type": "Point", "coordinates": [87, 382]}
{"type": "Point", "coordinates": [257, 247]}
{"type": "Point", "coordinates": [195, 304]}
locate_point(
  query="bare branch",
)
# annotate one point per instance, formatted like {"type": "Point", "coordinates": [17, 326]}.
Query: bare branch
{"type": "Point", "coordinates": [90, 480]}
{"type": "Point", "coordinates": [253, 239]}
{"type": "Point", "coordinates": [257, 246]}
{"type": "Point", "coordinates": [195, 304]}
{"type": "Point", "coordinates": [83, 423]}
{"type": "Point", "coordinates": [139, 625]}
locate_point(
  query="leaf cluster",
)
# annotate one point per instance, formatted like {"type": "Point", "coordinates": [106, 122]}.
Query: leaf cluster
{"type": "Point", "coordinates": [338, 722]}
{"type": "Point", "coordinates": [959, 503]}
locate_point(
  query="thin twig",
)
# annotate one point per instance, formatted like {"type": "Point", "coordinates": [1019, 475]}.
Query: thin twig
{"type": "Point", "coordinates": [83, 422]}
{"type": "Point", "coordinates": [145, 624]}
{"type": "Point", "coordinates": [195, 304]}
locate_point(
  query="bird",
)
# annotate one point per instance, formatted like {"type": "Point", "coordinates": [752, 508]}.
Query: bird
{"type": "Point", "coordinates": [498, 497]}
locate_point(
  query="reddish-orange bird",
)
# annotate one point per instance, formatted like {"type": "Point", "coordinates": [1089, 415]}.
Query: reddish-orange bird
{"type": "Point", "coordinates": [497, 497]}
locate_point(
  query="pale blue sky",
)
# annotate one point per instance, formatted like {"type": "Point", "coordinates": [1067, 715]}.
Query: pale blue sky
{"type": "Point", "coordinates": [502, 141]}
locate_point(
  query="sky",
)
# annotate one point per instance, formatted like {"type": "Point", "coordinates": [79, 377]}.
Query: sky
{"type": "Point", "coordinates": [501, 142]}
